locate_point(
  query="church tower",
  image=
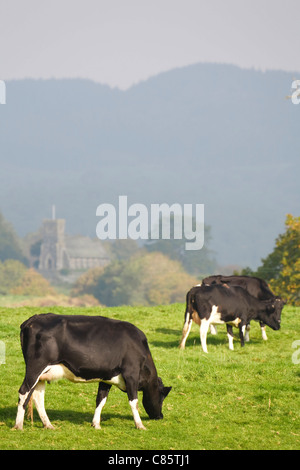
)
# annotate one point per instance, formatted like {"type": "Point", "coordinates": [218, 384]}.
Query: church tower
{"type": "Point", "coordinates": [53, 254]}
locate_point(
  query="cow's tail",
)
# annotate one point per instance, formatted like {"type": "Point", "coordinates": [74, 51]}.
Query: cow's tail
{"type": "Point", "coordinates": [187, 321]}
{"type": "Point", "coordinates": [24, 342]}
{"type": "Point", "coordinates": [25, 334]}
{"type": "Point", "coordinates": [30, 410]}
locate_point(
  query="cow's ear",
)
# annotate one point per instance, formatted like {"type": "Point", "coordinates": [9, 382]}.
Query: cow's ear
{"type": "Point", "coordinates": [166, 391]}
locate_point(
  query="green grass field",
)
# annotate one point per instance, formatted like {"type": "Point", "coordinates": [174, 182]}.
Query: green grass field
{"type": "Point", "coordinates": [242, 399]}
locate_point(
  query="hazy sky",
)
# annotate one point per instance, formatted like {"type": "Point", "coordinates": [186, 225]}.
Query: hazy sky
{"type": "Point", "coordinates": [120, 42]}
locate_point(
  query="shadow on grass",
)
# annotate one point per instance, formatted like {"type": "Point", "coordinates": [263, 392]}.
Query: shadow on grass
{"type": "Point", "coordinates": [191, 341]}
{"type": "Point", "coordinates": [174, 343]}
{"type": "Point", "coordinates": [59, 417]}
{"type": "Point", "coordinates": [219, 339]}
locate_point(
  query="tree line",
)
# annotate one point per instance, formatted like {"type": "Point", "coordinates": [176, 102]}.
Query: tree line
{"type": "Point", "coordinates": [159, 272]}
{"type": "Point", "coordinates": [162, 272]}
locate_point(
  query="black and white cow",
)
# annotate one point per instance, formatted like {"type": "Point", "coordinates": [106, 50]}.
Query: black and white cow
{"type": "Point", "coordinates": [254, 285]}
{"type": "Point", "coordinates": [219, 304]}
{"type": "Point", "coordinates": [88, 349]}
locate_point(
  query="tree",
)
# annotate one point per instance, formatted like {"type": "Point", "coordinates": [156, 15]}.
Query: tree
{"type": "Point", "coordinates": [9, 244]}
{"type": "Point", "coordinates": [195, 262]}
{"type": "Point", "coordinates": [11, 274]}
{"type": "Point", "coordinates": [116, 285]}
{"type": "Point", "coordinates": [282, 267]}
{"type": "Point", "coordinates": [123, 249]}
{"type": "Point", "coordinates": [87, 282]}
{"type": "Point", "coordinates": [33, 283]}
{"type": "Point", "coordinates": [144, 279]}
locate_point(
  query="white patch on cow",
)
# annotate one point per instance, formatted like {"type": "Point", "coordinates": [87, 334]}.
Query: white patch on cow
{"type": "Point", "coordinates": [97, 414]}
{"type": "Point", "coordinates": [215, 318]}
{"type": "Point", "coordinates": [188, 325]}
{"type": "Point", "coordinates": [55, 372]}
{"type": "Point", "coordinates": [230, 340]}
{"type": "Point", "coordinates": [186, 330]}
{"type": "Point", "coordinates": [235, 322]}
{"type": "Point", "coordinates": [247, 335]}
{"type": "Point", "coordinates": [213, 329]}
{"type": "Point", "coordinates": [263, 333]}
{"type": "Point", "coordinates": [21, 411]}
{"type": "Point", "coordinates": [118, 381]}
{"type": "Point", "coordinates": [136, 415]}
{"type": "Point", "coordinates": [60, 371]}
{"type": "Point", "coordinates": [203, 333]}
{"type": "Point", "coordinates": [38, 397]}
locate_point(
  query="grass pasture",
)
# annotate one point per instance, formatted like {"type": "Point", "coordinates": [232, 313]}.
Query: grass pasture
{"type": "Point", "coordinates": [242, 399]}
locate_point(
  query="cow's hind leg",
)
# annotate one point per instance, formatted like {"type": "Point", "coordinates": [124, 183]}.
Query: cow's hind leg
{"type": "Point", "coordinates": [24, 397]}
{"type": "Point", "coordinates": [203, 333]}
{"type": "Point", "coordinates": [33, 373]}
{"type": "Point", "coordinates": [186, 330]}
{"type": "Point", "coordinates": [39, 401]}
{"type": "Point", "coordinates": [213, 329]}
{"type": "Point", "coordinates": [100, 402]}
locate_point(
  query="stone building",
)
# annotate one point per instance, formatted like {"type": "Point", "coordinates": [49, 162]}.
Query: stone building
{"type": "Point", "coordinates": [62, 252]}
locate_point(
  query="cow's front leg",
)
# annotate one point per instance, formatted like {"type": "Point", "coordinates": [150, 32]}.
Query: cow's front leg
{"type": "Point", "coordinates": [136, 416]}
{"type": "Point", "coordinates": [132, 393]}
{"type": "Point", "coordinates": [263, 331]}
{"type": "Point", "coordinates": [102, 394]}
{"type": "Point", "coordinates": [242, 329]}
{"type": "Point", "coordinates": [230, 336]}
{"type": "Point", "coordinates": [247, 335]}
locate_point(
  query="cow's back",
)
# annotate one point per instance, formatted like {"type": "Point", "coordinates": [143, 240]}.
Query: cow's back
{"type": "Point", "coordinates": [97, 344]}
{"type": "Point", "coordinates": [219, 295]}
{"type": "Point", "coordinates": [256, 286]}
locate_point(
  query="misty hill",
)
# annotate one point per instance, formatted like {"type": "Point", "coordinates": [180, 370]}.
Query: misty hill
{"type": "Point", "coordinates": [212, 134]}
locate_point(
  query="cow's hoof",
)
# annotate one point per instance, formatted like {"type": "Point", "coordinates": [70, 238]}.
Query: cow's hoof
{"type": "Point", "coordinates": [141, 426]}
{"type": "Point", "coordinates": [96, 425]}
{"type": "Point", "coordinates": [17, 426]}
{"type": "Point", "coordinates": [49, 426]}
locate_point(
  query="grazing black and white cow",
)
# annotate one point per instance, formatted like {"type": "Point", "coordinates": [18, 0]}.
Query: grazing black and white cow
{"type": "Point", "coordinates": [219, 304]}
{"type": "Point", "coordinates": [254, 285]}
{"type": "Point", "coordinates": [88, 349]}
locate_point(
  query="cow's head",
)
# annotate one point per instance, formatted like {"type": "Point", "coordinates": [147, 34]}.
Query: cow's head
{"type": "Point", "coordinates": [273, 310]}
{"type": "Point", "coordinates": [153, 398]}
